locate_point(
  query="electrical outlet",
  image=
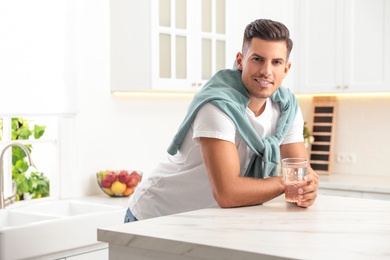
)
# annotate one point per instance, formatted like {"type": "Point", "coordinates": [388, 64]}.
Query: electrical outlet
{"type": "Point", "coordinates": [340, 158]}
{"type": "Point", "coordinates": [346, 158]}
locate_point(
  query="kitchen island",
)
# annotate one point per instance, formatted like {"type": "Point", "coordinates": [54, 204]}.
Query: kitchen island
{"type": "Point", "coordinates": [333, 228]}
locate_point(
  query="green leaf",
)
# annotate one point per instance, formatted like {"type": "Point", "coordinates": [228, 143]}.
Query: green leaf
{"type": "Point", "coordinates": [21, 165]}
{"type": "Point", "coordinates": [24, 133]}
{"type": "Point", "coordinates": [17, 154]}
{"type": "Point", "coordinates": [39, 131]}
{"type": "Point", "coordinates": [39, 185]}
{"type": "Point", "coordinates": [22, 185]}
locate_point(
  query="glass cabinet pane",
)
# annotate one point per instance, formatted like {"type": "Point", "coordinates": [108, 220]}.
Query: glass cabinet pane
{"type": "Point", "coordinates": [165, 13]}
{"type": "Point", "coordinates": [181, 14]}
{"type": "Point", "coordinates": [191, 45]}
{"type": "Point", "coordinates": [206, 59]}
{"type": "Point", "coordinates": [220, 16]}
{"type": "Point", "coordinates": [165, 56]}
{"type": "Point", "coordinates": [181, 57]}
{"type": "Point", "coordinates": [206, 16]}
{"type": "Point", "coordinates": [220, 56]}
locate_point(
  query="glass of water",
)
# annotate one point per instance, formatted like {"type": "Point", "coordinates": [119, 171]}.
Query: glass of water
{"type": "Point", "coordinates": [294, 170]}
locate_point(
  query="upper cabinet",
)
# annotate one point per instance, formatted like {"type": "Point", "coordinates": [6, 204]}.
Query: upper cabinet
{"type": "Point", "coordinates": [177, 45]}
{"type": "Point", "coordinates": [345, 46]}
{"type": "Point", "coordinates": [166, 45]}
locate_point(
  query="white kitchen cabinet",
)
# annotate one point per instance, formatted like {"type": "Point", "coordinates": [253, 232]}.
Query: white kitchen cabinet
{"type": "Point", "coordinates": [166, 45]}
{"type": "Point", "coordinates": [345, 46]}
{"type": "Point", "coordinates": [101, 254]}
{"type": "Point", "coordinates": [93, 252]}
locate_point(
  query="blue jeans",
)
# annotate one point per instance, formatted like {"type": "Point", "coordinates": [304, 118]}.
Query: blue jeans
{"type": "Point", "coordinates": [129, 217]}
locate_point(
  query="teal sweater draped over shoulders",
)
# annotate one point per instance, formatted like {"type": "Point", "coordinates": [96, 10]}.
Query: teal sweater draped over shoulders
{"type": "Point", "coordinates": [226, 91]}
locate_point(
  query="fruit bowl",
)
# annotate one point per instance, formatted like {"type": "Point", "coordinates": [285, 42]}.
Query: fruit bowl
{"type": "Point", "coordinates": [118, 183]}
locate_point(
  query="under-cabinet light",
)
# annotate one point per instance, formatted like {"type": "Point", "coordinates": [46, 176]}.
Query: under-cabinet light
{"type": "Point", "coordinates": [167, 94]}
{"type": "Point", "coordinates": [347, 95]}
{"type": "Point", "coordinates": [153, 94]}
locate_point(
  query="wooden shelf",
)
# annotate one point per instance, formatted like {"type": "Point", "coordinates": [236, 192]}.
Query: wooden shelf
{"type": "Point", "coordinates": [323, 129]}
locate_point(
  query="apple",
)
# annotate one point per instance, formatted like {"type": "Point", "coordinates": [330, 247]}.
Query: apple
{"type": "Point", "coordinates": [111, 176]}
{"type": "Point", "coordinates": [124, 176]}
{"type": "Point", "coordinates": [133, 181]}
{"type": "Point", "coordinates": [105, 183]}
{"type": "Point", "coordinates": [136, 174]}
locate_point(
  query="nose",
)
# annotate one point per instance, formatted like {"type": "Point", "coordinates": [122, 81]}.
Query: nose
{"type": "Point", "coordinates": [266, 69]}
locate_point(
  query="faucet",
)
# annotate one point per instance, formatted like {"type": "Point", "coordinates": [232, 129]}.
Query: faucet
{"type": "Point", "coordinates": [8, 201]}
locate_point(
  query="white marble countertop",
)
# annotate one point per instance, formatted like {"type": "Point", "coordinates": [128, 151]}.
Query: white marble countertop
{"type": "Point", "coordinates": [375, 184]}
{"type": "Point", "coordinates": [333, 228]}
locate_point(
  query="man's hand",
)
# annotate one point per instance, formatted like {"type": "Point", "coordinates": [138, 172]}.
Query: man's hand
{"type": "Point", "coordinates": [308, 193]}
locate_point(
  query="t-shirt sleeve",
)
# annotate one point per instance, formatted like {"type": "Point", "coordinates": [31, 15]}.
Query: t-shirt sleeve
{"type": "Point", "coordinates": [213, 123]}
{"type": "Point", "coordinates": [295, 134]}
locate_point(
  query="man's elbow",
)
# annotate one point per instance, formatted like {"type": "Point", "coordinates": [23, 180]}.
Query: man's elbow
{"type": "Point", "coordinates": [226, 200]}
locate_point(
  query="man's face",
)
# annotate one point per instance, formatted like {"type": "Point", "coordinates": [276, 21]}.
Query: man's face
{"type": "Point", "coordinates": [264, 65]}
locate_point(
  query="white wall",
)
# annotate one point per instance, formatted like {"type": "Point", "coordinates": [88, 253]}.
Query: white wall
{"type": "Point", "coordinates": [362, 127]}
{"type": "Point", "coordinates": [117, 133]}
{"type": "Point", "coordinates": [110, 132]}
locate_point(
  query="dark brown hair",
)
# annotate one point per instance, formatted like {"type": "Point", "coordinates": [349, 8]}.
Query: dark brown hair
{"type": "Point", "coordinates": [267, 30]}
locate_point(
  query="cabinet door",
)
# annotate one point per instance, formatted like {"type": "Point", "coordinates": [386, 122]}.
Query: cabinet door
{"type": "Point", "coordinates": [166, 45]}
{"type": "Point", "coordinates": [322, 50]}
{"type": "Point", "coordinates": [130, 45]}
{"type": "Point", "coordinates": [345, 46]}
{"type": "Point", "coordinates": [211, 36]}
{"type": "Point", "coordinates": [172, 44]}
{"type": "Point", "coordinates": [188, 42]}
{"type": "Point", "coordinates": [367, 45]}
{"type": "Point", "coordinates": [101, 254]}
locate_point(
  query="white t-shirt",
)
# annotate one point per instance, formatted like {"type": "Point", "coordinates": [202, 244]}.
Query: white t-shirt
{"type": "Point", "coordinates": [180, 183]}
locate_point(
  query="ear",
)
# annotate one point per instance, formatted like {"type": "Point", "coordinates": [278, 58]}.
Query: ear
{"type": "Point", "coordinates": [287, 68]}
{"type": "Point", "coordinates": [239, 61]}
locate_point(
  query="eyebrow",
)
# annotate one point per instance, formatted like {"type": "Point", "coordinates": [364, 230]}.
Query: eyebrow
{"type": "Point", "coordinates": [261, 57]}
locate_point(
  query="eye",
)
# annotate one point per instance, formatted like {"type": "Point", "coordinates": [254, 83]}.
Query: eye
{"type": "Point", "coordinates": [257, 59]}
{"type": "Point", "coordinates": [277, 62]}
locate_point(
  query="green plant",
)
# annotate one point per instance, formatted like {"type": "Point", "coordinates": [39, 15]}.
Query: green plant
{"type": "Point", "coordinates": [306, 131]}
{"type": "Point", "coordinates": [308, 138]}
{"type": "Point", "coordinates": [35, 184]}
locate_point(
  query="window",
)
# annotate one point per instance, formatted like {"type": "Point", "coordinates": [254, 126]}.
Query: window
{"type": "Point", "coordinates": [44, 153]}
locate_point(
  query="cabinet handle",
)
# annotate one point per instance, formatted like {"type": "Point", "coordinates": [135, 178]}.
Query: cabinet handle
{"type": "Point", "coordinates": [199, 84]}
{"type": "Point", "coordinates": [338, 87]}
{"type": "Point", "coordinates": [193, 84]}
{"type": "Point", "coordinates": [345, 87]}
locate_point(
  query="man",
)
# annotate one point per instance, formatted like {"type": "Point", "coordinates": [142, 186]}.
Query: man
{"type": "Point", "coordinates": [236, 130]}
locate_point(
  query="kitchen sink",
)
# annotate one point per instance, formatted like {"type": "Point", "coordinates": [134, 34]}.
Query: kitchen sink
{"type": "Point", "coordinates": [44, 228]}
{"type": "Point", "coordinates": [9, 218]}
{"type": "Point", "coordinates": [64, 208]}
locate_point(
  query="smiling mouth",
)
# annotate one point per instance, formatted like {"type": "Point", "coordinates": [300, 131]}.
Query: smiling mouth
{"type": "Point", "coordinates": [264, 83]}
